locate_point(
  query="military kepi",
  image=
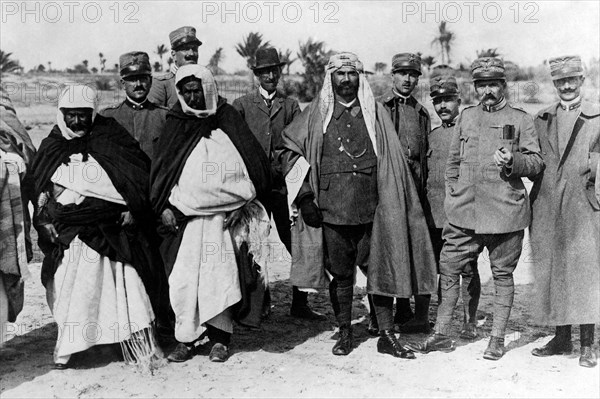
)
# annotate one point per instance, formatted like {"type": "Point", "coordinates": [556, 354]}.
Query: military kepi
{"type": "Point", "coordinates": [407, 62]}
{"type": "Point", "coordinates": [134, 63]}
{"type": "Point", "coordinates": [267, 58]}
{"type": "Point", "coordinates": [443, 86]}
{"type": "Point", "coordinates": [566, 66]}
{"type": "Point", "coordinates": [488, 68]}
{"type": "Point", "coordinates": [183, 35]}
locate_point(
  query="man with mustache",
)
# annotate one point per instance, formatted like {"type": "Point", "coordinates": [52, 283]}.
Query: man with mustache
{"type": "Point", "coordinates": [356, 204]}
{"type": "Point", "coordinates": [267, 112]}
{"type": "Point", "coordinates": [494, 145]}
{"type": "Point", "coordinates": [446, 101]}
{"type": "Point", "coordinates": [565, 231]}
{"type": "Point", "coordinates": [412, 124]}
{"type": "Point", "coordinates": [184, 51]}
{"type": "Point", "coordinates": [143, 119]}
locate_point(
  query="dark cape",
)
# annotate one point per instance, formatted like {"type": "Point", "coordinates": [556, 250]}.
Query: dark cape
{"type": "Point", "coordinates": [95, 221]}
{"type": "Point", "coordinates": [182, 133]}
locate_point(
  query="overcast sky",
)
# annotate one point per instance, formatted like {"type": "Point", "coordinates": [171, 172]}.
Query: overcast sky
{"type": "Point", "coordinates": [526, 32]}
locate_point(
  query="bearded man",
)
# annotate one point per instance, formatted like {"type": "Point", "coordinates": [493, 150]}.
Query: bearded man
{"type": "Point", "coordinates": [91, 181]}
{"type": "Point", "coordinates": [356, 203]}
{"type": "Point", "coordinates": [207, 179]}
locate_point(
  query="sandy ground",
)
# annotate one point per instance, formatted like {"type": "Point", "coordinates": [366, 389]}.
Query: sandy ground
{"type": "Point", "coordinates": [292, 358]}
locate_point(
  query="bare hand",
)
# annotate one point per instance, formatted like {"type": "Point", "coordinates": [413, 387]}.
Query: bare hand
{"type": "Point", "coordinates": [127, 219]}
{"type": "Point", "coordinates": [168, 220]}
{"type": "Point", "coordinates": [50, 232]}
{"type": "Point", "coordinates": [503, 157]}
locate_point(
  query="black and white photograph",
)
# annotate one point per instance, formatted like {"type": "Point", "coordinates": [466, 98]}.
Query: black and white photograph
{"type": "Point", "coordinates": [300, 199]}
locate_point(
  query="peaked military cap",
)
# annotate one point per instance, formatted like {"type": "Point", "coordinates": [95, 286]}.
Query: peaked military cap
{"type": "Point", "coordinates": [266, 58]}
{"type": "Point", "coordinates": [183, 35]}
{"type": "Point", "coordinates": [134, 63]}
{"type": "Point", "coordinates": [443, 85]}
{"type": "Point", "coordinates": [488, 68]}
{"type": "Point", "coordinates": [565, 67]}
{"type": "Point", "coordinates": [406, 61]}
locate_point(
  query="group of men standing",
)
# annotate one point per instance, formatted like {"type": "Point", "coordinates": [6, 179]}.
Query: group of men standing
{"type": "Point", "coordinates": [350, 181]}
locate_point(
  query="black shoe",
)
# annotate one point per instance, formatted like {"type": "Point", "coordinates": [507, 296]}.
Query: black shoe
{"type": "Point", "coordinates": [305, 312]}
{"type": "Point", "coordinates": [469, 331]}
{"type": "Point", "coordinates": [219, 353]}
{"type": "Point", "coordinates": [181, 353]}
{"type": "Point", "coordinates": [495, 349]}
{"type": "Point", "coordinates": [63, 366]}
{"type": "Point", "coordinates": [554, 347]}
{"type": "Point", "coordinates": [343, 345]}
{"type": "Point", "coordinates": [435, 342]}
{"type": "Point", "coordinates": [373, 328]}
{"type": "Point", "coordinates": [415, 326]}
{"type": "Point", "coordinates": [388, 343]}
{"type": "Point", "coordinates": [588, 357]}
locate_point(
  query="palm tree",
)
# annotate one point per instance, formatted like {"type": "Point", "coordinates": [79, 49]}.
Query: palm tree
{"type": "Point", "coordinates": [170, 62]}
{"type": "Point", "coordinates": [7, 64]}
{"type": "Point", "coordinates": [286, 57]}
{"type": "Point", "coordinates": [161, 50]}
{"type": "Point", "coordinates": [380, 67]}
{"type": "Point", "coordinates": [314, 58]}
{"type": "Point", "coordinates": [102, 62]}
{"type": "Point", "coordinates": [213, 63]}
{"type": "Point", "coordinates": [250, 45]}
{"type": "Point", "coordinates": [444, 40]}
{"type": "Point", "coordinates": [490, 52]}
{"type": "Point", "coordinates": [428, 61]}
{"type": "Point", "coordinates": [49, 66]}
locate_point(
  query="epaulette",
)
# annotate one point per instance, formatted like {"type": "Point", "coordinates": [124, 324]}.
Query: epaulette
{"type": "Point", "coordinates": [517, 108]}
{"type": "Point", "coordinates": [165, 76]}
{"type": "Point", "coordinates": [112, 106]}
{"type": "Point", "coordinates": [159, 106]}
{"type": "Point", "coordinates": [468, 107]}
{"type": "Point", "coordinates": [435, 128]}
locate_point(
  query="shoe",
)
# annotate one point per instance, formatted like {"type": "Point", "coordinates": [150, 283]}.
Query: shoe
{"type": "Point", "coordinates": [415, 326]}
{"type": "Point", "coordinates": [180, 354]}
{"type": "Point", "coordinates": [305, 312]}
{"type": "Point", "coordinates": [373, 328]}
{"type": "Point", "coordinates": [588, 357]}
{"type": "Point", "coordinates": [554, 347]}
{"type": "Point", "coordinates": [219, 353]}
{"type": "Point", "coordinates": [388, 343]}
{"type": "Point", "coordinates": [495, 349]}
{"type": "Point", "coordinates": [343, 346]}
{"type": "Point", "coordinates": [63, 366]}
{"type": "Point", "coordinates": [435, 342]}
{"type": "Point", "coordinates": [469, 331]}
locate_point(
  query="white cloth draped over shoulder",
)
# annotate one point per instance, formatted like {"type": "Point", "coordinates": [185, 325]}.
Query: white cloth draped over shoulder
{"type": "Point", "coordinates": [204, 281]}
{"type": "Point", "coordinates": [94, 300]}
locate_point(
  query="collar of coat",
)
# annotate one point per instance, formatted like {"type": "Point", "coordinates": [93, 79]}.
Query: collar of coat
{"type": "Point", "coordinates": [279, 96]}
{"type": "Point", "coordinates": [495, 107]}
{"type": "Point", "coordinates": [588, 110]}
{"type": "Point", "coordinates": [389, 97]}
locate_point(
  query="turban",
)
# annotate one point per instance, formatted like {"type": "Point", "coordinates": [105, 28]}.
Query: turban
{"type": "Point", "coordinates": [209, 87]}
{"type": "Point", "coordinates": [364, 95]}
{"type": "Point", "coordinates": [75, 96]}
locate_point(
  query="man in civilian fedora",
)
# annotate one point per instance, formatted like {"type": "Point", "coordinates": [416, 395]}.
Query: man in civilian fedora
{"type": "Point", "coordinates": [565, 231]}
{"type": "Point", "coordinates": [494, 145]}
{"type": "Point", "coordinates": [184, 50]}
{"type": "Point", "coordinates": [446, 102]}
{"type": "Point", "coordinates": [412, 124]}
{"type": "Point", "coordinates": [143, 120]}
{"type": "Point", "coordinates": [267, 112]}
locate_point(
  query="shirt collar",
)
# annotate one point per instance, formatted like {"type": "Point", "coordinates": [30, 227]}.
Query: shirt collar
{"type": "Point", "coordinates": [571, 105]}
{"type": "Point", "coordinates": [449, 124]}
{"type": "Point", "coordinates": [265, 94]}
{"type": "Point", "coordinates": [340, 107]}
{"type": "Point", "coordinates": [136, 105]}
{"type": "Point", "coordinates": [402, 99]}
{"type": "Point", "coordinates": [495, 107]}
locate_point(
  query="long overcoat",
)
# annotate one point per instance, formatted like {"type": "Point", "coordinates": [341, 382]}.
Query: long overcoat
{"type": "Point", "coordinates": [565, 231]}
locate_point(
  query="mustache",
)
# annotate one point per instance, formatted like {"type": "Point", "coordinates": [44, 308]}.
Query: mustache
{"type": "Point", "coordinates": [139, 88]}
{"type": "Point", "coordinates": [489, 97]}
{"type": "Point", "coordinates": [444, 111]}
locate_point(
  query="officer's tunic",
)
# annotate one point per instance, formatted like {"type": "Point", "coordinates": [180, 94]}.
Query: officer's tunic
{"type": "Point", "coordinates": [163, 91]}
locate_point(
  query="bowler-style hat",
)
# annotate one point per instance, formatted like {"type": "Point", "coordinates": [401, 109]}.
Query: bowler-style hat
{"type": "Point", "coordinates": [266, 58]}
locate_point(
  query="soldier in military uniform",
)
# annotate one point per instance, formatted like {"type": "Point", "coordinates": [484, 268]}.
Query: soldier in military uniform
{"type": "Point", "coordinates": [184, 50]}
{"type": "Point", "coordinates": [267, 112]}
{"type": "Point", "coordinates": [413, 124]}
{"type": "Point", "coordinates": [446, 101]}
{"type": "Point", "coordinates": [144, 120]}
{"type": "Point", "coordinates": [494, 145]}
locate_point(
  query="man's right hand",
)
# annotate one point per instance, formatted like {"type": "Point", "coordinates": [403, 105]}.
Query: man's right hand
{"type": "Point", "coordinates": [311, 214]}
{"type": "Point", "coordinates": [50, 232]}
{"type": "Point", "coordinates": [168, 220]}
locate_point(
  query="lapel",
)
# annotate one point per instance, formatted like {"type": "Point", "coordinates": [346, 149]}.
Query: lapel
{"type": "Point", "coordinates": [260, 103]}
{"type": "Point", "coordinates": [551, 132]}
{"type": "Point", "coordinates": [575, 129]}
{"type": "Point", "coordinates": [276, 105]}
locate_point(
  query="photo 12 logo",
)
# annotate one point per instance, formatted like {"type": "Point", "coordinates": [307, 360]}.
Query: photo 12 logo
{"type": "Point", "coordinates": [69, 11]}
{"type": "Point", "coordinates": [270, 11]}
{"type": "Point", "coordinates": [471, 11]}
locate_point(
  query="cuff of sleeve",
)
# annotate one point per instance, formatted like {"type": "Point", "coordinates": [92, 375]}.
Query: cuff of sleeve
{"type": "Point", "coordinates": [593, 162]}
{"type": "Point", "coordinates": [515, 168]}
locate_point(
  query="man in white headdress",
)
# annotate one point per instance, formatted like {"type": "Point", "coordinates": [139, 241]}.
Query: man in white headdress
{"type": "Point", "coordinates": [349, 184]}
{"type": "Point", "coordinates": [91, 178]}
{"type": "Point", "coordinates": [209, 178]}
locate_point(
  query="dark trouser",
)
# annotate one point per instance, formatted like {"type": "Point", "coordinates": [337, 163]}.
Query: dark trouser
{"type": "Point", "coordinates": [461, 249]}
{"type": "Point", "coordinates": [347, 247]}
{"type": "Point", "coordinates": [216, 335]}
{"type": "Point", "coordinates": [586, 334]}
